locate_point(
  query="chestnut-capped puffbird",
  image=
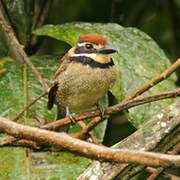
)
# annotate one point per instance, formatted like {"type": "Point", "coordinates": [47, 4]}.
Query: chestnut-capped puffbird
{"type": "Point", "coordinates": [85, 75]}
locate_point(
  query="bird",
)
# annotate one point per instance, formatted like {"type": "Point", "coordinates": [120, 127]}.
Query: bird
{"type": "Point", "coordinates": [86, 73]}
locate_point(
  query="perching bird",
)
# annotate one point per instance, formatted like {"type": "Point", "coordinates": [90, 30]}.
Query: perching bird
{"type": "Point", "coordinates": [86, 73]}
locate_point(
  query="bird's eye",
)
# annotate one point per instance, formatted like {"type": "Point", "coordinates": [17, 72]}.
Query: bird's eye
{"type": "Point", "coordinates": [89, 46]}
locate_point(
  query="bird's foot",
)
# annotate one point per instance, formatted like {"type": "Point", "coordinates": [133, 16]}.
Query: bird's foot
{"type": "Point", "coordinates": [71, 116]}
{"type": "Point", "coordinates": [102, 110]}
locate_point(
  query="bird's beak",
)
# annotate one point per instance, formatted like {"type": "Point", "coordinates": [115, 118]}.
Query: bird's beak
{"type": "Point", "coordinates": [107, 49]}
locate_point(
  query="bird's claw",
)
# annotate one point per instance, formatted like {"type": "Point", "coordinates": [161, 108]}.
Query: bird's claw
{"type": "Point", "coordinates": [71, 116]}
{"type": "Point", "coordinates": [102, 110]}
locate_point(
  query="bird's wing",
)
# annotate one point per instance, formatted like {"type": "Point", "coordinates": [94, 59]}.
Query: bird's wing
{"type": "Point", "coordinates": [51, 96]}
{"type": "Point", "coordinates": [52, 92]}
{"type": "Point", "coordinates": [64, 64]}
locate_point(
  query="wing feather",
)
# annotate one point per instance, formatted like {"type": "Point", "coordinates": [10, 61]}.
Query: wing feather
{"type": "Point", "coordinates": [55, 85]}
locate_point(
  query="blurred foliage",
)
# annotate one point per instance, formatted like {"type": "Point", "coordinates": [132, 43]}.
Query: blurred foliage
{"type": "Point", "coordinates": [22, 17]}
{"type": "Point", "coordinates": [160, 19]}
{"type": "Point", "coordinates": [90, 11]}
{"type": "Point", "coordinates": [3, 47]}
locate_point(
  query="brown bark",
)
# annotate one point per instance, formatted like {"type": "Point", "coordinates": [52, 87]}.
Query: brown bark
{"type": "Point", "coordinates": [85, 148]}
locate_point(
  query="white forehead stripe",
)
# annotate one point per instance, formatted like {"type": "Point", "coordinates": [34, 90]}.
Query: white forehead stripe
{"type": "Point", "coordinates": [80, 44]}
{"type": "Point", "coordinates": [83, 54]}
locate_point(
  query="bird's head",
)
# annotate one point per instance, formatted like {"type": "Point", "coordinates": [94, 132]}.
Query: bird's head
{"type": "Point", "coordinates": [92, 47]}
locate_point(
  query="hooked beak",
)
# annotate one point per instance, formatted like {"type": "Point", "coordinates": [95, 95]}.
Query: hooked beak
{"type": "Point", "coordinates": [107, 49]}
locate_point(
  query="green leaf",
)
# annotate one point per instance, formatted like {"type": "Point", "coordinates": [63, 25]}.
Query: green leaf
{"type": "Point", "coordinates": [22, 164]}
{"type": "Point", "coordinates": [13, 164]}
{"type": "Point", "coordinates": [58, 165]}
{"type": "Point", "coordinates": [139, 59]}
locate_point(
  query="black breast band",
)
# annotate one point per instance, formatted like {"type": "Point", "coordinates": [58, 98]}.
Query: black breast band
{"type": "Point", "coordinates": [88, 61]}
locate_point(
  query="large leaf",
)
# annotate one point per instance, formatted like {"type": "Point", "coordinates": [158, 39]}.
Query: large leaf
{"type": "Point", "coordinates": [139, 59]}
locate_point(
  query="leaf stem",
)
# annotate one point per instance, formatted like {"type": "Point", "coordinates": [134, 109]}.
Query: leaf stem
{"type": "Point", "coordinates": [28, 106]}
{"type": "Point", "coordinates": [25, 91]}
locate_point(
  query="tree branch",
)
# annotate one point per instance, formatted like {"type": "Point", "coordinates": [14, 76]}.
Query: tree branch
{"type": "Point", "coordinates": [85, 148]}
{"type": "Point", "coordinates": [113, 109]}
{"type": "Point", "coordinates": [4, 23]}
{"type": "Point", "coordinates": [15, 47]}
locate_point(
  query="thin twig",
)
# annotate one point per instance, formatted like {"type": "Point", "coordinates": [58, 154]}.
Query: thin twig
{"type": "Point", "coordinates": [85, 148]}
{"type": "Point", "coordinates": [25, 143]}
{"type": "Point", "coordinates": [12, 141]}
{"type": "Point", "coordinates": [170, 176]}
{"type": "Point", "coordinates": [94, 139]}
{"type": "Point", "coordinates": [164, 174]}
{"type": "Point", "coordinates": [175, 150]}
{"type": "Point", "coordinates": [157, 172]}
{"type": "Point", "coordinates": [85, 129]}
{"type": "Point", "coordinates": [113, 109]}
{"type": "Point", "coordinates": [7, 140]}
{"type": "Point", "coordinates": [156, 80]}
{"type": "Point", "coordinates": [28, 106]}
{"type": "Point", "coordinates": [17, 50]}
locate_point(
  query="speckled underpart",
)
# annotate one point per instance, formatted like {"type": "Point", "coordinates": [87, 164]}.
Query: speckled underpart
{"type": "Point", "coordinates": [80, 86]}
